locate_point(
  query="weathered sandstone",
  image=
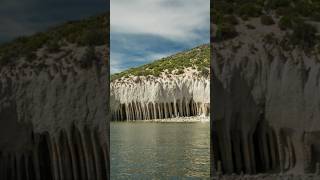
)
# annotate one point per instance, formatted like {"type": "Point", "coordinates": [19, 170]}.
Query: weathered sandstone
{"type": "Point", "coordinates": [53, 115]}
{"type": "Point", "coordinates": [167, 96]}
{"type": "Point", "coordinates": [266, 104]}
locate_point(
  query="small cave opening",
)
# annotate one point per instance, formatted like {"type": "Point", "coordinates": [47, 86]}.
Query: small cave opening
{"type": "Point", "coordinates": [8, 169]}
{"type": "Point", "coordinates": [237, 152]}
{"type": "Point", "coordinates": [163, 110]}
{"type": "Point", "coordinates": [124, 114]}
{"type": "Point", "coordinates": [168, 110]}
{"type": "Point", "coordinates": [90, 152]}
{"type": "Point", "coordinates": [23, 167]}
{"type": "Point", "coordinates": [44, 158]}
{"type": "Point", "coordinates": [150, 108]}
{"type": "Point", "coordinates": [172, 109]}
{"type": "Point", "coordinates": [315, 157]}
{"type": "Point", "coordinates": [66, 155]}
{"type": "Point", "coordinates": [79, 153]}
{"type": "Point", "coordinates": [258, 148]}
{"type": "Point", "coordinates": [31, 170]}
{"type": "Point", "coordinates": [157, 113]}
{"type": "Point", "coordinates": [15, 168]}
{"type": "Point", "coordinates": [265, 148]}
{"type": "Point", "coordinates": [132, 105]}
{"type": "Point", "coordinates": [190, 108]}
{"type": "Point", "coordinates": [184, 109]}
{"type": "Point", "coordinates": [216, 154]}
{"type": "Point", "coordinates": [100, 154]}
{"type": "Point", "coordinates": [178, 108]}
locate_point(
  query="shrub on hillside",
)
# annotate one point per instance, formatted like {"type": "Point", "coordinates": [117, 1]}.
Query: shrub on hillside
{"type": "Point", "coordinates": [286, 22]}
{"type": "Point", "coordinates": [250, 26]}
{"type": "Point", "coordinates": [249, 10]}
{"type": "Point", "coordinates": [217, 17]}
{"type": "Point", "coordinates": [225, 31]}
{"type": "Point", "coordinates": [8, 59]}
{"type": "Point", "coordinates": [92, 38]}
{"type": "Point", "coordinates": [274, 4]}
{"type": "Point", "coordinates": [316, 16]}
{"type": "Point", "coordinates": [53, 47]}
{"type": "Point", "coordinates": [304, 8]}
{"type": "Point", "coordinates": [284, 11]}
{"type": "Point", "coordinates": [31, 56]}
{"type": "Point", "coordinates": [204, 72]}
{"type": "Point", "coordinates": [230, 19]}
{"type": "Point", "coordinates": [223, 6]}
{"type": "Point", "coordinates": [266, 20]}
{"type": "Point", "coordinates": [304, 35]}
{"type": "Point", "coordinates": [180, 71]}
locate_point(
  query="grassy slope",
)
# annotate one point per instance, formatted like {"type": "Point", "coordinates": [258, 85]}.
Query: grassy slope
{"type": "Point", "coordinates": [294, 17]}
{"type": "Point", "coordinates": [198, 58]}
{"type": "Point", "coordinates": [88, 32]}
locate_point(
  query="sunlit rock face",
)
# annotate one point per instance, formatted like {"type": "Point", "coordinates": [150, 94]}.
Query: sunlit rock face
{"type": "Point", "coordinates": [167, 96]}
{"type": "Point", "coordinates": [53, 114]}
{"type": "Point", "coordinates": [266, 106]}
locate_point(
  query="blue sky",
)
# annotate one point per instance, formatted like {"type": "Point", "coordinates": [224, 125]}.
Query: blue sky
{"type": "Point", "coordinates": [26, 17]}
{"type": "Point", "coordinates": [146, 30]}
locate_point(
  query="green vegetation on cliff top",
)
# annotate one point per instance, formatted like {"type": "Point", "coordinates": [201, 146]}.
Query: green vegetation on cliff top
{"type": "Point", "coordinates": [92, 31]}
{"type": "Point", "coordinates": [255, 8]}
{"type": "Point", "coordinates": [294, 15]}
{"type": "Point", "coordinates": [196, 58]}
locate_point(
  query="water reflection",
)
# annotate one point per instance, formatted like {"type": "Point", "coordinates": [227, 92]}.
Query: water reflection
{"type": "Point", "coordinates": [160, 150]}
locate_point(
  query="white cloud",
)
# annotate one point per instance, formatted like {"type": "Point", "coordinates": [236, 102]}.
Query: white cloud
{"type": "Point", "coordinates": [176, 20]}
{"type": "Point", "coordinates": [116, 63]}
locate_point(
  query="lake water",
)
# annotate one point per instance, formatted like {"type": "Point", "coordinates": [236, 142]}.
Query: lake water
{"type": "Point", "coordinates": [149, 150]}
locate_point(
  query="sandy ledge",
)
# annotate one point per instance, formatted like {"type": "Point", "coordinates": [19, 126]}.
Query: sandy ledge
{"type": "Point", "coordinates": [176, 120]}
{"type": "Point", "coordinates": [269, 177]}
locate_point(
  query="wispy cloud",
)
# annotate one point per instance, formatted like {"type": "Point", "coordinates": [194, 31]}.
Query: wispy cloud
{"type": "Point", "coordinates": [178, 20]}
{"type": "Point", "coordinates": [145, 30]}
{"type": "Point", "coordinates": [117, 63]}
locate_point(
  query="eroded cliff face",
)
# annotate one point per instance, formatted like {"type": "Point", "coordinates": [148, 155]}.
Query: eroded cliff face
{"type": "Point", "coordinates": [167, 96]}
{"type": "Point", "coordinates": [265, 105]}
{"type": "Point", "coordinates": [53, 114]}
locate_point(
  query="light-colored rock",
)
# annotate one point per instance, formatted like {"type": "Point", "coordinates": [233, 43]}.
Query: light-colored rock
{"type": "Point", "coordinates": [160, 97]}
{"type": "Point", "coordinates": [53, 116]}
{"type": "Point", "coordinates": [266, 106]}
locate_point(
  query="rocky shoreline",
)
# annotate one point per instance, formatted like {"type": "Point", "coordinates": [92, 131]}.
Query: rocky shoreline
{"type": "Point", "coordinates": [193, 119]}
{"type": "Point", "coordinates": [268, 177]}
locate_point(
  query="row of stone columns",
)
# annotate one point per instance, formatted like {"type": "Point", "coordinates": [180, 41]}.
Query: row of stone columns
{"type": "Point", "coordinates": [15, 166]}
{"type": "Point", "coordinates": [263, 150]}
{"type": "Point", "coordinates": [246, 152]}
{"type": "Point", "coordinates": [161, 110]}
{"type": "Point", "coordinates": [72, 155]}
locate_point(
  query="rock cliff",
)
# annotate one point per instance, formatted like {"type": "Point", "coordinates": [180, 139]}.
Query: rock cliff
{"type": "Point", "coordinates": [53, 114]}
{"type": "Point", "coordinates": [265, 102]}
{"type": "Point", "coordinates": [182, 92]}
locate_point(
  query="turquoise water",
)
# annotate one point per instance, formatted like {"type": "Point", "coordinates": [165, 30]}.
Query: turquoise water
{"type": "Point", "coordinates": [160, 150]}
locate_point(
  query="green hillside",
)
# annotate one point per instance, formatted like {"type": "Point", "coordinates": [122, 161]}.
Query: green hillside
{"type": "Point", "coordinates": [92, 31]}
{"type": "Point", "coordinates": [197, 58]}
{"type": "Point", "coordinates": [296, 17]}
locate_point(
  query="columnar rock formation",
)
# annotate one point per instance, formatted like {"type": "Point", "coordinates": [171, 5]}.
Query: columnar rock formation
{"type": "Point", "coordinates": [266, 104]}
{"type": "Point", "coordinates": [53, 114]}
{"type": "Point", "coordinates": [168, 96]}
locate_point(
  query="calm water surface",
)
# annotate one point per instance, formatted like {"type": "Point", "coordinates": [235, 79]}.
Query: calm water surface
{"type": "Point", "coordinates": [146, 150]}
